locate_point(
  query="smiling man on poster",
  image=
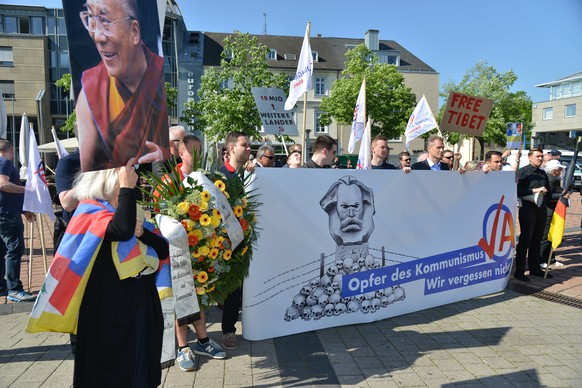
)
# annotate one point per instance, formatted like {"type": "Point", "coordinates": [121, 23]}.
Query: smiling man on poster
{"type": "Point", "coordinates": [121, 109]}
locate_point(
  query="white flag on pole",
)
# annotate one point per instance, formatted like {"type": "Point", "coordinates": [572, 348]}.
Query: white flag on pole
{"type": "Point", "coordinates": [61, 151]}
{"type": "Point", "coordinates": [421, 121]}
{"type": "Point", "coordinates": [3, 118]}
{"type": "Point", "coordinates": [359, 118]}
{"type": "Point", "coordinates": [302, 81]}
{"type": "Point", "coordinates": [364, 162]}
{"type": "Point", "coordinates": [37, 198]}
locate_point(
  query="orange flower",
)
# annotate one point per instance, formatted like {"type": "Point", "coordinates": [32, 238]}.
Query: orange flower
{"type": "Point", "coordinates": [184, 224]}
{"type": "Point", "coordinates": [200, 291]}
{"type": "Point", "coordinates": [213, 254]}
{"type": "Point", "coordinates": [192, 240]}
{"type": "Point", "coordinates": [244, 224]}
{"type": "Point", "coordinates": [194, 212]}
{"type": "Point", "coordinates": [210, 269]}
{"type": "Point", "coordinates": [202, 277]}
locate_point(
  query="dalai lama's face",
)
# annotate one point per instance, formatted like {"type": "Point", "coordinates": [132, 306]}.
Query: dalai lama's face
{"type": "Point", "coordinates": [116, 36]}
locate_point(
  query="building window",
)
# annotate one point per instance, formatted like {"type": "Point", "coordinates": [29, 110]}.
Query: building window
{"type": "Point", "coordinates": [7, 89]}
{"type": "Point", "coordinates": [320, 86]}
{"type": "Point", "coordinates": [318, 127]}
{"type": "Point", "coordinates": [11, 25]}
{"type": "Point", "coordinates": [315, 56]}
{"type": "Point", "coordinates": [36, 25]}
{"type": "Point", "coordinates": [272, 55]}
{"type": "Point", "coordinates": [576, 88]}
{"type": "Point", "coordinates": [570, 110]}
{"type": "Point", "coordinates": [548, 113]}
{"type": "Point", "coordinates": [6, 58]}
{"type": "Point", "coordinates": [228, 54]}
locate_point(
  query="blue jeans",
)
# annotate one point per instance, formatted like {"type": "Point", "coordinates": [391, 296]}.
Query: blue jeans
{"type": "Point", "coordinates": [11, 249]}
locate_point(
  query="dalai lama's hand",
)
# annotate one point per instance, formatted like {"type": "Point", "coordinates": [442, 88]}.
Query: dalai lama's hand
{"type": "Point", "coordinates": [155, 154]}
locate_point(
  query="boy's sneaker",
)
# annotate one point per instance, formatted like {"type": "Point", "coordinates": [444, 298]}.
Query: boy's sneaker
{"type": "Point", "coordinates": [20, 296]}
{"type": "Point", "coordinates": [229, 341]}
{"type": "Point", "coordinates": [185, 359]}
{"type": "Point", "coordinates": [210, 349]}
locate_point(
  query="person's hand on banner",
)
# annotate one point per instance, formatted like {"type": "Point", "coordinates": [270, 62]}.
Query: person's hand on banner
{"type": "Point", "coordinates": [155, 154]}
{"type": "Point", "coordinates": [30, 216]}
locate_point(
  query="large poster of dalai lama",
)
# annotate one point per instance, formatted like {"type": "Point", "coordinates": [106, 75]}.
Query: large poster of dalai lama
{"type": "Point", "coordinates": [118, 78]}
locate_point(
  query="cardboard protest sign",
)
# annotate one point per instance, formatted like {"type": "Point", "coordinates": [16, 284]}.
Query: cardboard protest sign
{"type": "Point", "coordinates": [271, 105]}
{"type": "Point", "coordinates": [466, 114]}
{"type": "Point", "coordinates": [117, 68]}
{"type": "Point", "coordinates": [514, 133]}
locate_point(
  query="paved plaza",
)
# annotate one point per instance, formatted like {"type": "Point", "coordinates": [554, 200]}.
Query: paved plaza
{"type": "Point", "coordinates": [529, 335]}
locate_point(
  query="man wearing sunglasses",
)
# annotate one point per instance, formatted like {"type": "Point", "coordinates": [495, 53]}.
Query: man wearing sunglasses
{"type": "Point", "coordinates": [121, 109]}
{"type": "Point", "coordinates": [265, 156]}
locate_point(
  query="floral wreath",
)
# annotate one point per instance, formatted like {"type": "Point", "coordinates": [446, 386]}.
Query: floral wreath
{"type": "Point", "coordinates": [217, 267]}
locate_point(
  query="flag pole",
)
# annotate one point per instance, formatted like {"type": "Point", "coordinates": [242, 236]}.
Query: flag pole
{"type": "Point", "coordinates": [365, 117]}
{"type": "Point", "coordinates": [305, 151]}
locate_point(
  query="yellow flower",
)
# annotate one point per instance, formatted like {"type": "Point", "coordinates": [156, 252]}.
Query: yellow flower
{"type": "Point", "coordinates": [204, 251]}
{"type": "Point", "coordinates": [216, 213]}
{"type": "Point", "coordinates": [198, 233]}
{"type": "Point", "coordinates": [238, 211]}
{"type": "Point", "coordinates": [220, 184]}
{"type": "Point", "coordinates": [210, 289]}
{"type": "Point", "coordinates": [244, 250]}
{"type": "Point", "coordinates": [195, 254]}
{"type": "Point", "coordinates": [205, 196]}
{"type": "Point", "coordinates": [204, 220]}
{"type": "Point", "coordinates": [215, 221]}
{"type": "Point", "coordinates": [203, 206]}
{"type": "Point", "coordinates": [244, 201]}
{"type": "Point", "coordinates": [213, 254]}
{"type": "Point", "coordinates": [202, 277]}
{"type": "Point", "coordinates": [227, 255]}
{"type": "Point", "coordinates": [200, 291]}
{"type": "Point", "coordinates": [219, 240]}
{"type": "Point", "coordinates": [190, 225]}
{"type": "Point", "coordinates": [182, 208]}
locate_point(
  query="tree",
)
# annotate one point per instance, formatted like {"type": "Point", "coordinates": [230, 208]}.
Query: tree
{"type": "Point", "coordinates": [484, 81]}
{"type": "Point", "coordinates": [66, 83]}
{"type": "Point", "coordinates": [388, 101]}
{"type": "Point", "coordinates": [225, 100]}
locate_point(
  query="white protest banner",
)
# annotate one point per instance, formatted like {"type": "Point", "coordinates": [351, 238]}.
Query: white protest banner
{"type": "Point", "coordinates": [466, 114]}
{"type": "Point", "coordinates": [271, 105]}
{"type": "Point", "coordinates": [371, 245]}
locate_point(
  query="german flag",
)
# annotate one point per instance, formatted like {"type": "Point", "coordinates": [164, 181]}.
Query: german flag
{"type": "Point", "coordinates": [558, 223]}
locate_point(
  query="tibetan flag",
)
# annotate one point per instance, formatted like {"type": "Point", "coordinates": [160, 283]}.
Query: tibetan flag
{"type": "Point", "coordinates": [364, 162]}
{"type": "Point", "coordinates": [302, 80]}
{"type": "Point", "coordinates": [37, 198]}
{"type": "Point", "coordinates": [358, 123]}
{"type": "Point", "coordinates": [558, 223]}
{"type": "Point", "coordinates": [421, 121]}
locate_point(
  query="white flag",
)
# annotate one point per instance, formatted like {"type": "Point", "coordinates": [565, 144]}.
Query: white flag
{"type": "Point", "coordinates": [23, 146]}
{"type": "Point", "coordinates": [61, 151]}
{"type": "Point", "coordinates": [364, 162]}
{"type": "Point", "coordinates": [421, 121]}
{"type": "Point", "coordinates": [359, 118]}
{"type": "Point", "coordinates": [302, 81]}
{"type": "Point", "coordinates": [37, 198]}
{"type": "Point", "coordinates": [3, 118]}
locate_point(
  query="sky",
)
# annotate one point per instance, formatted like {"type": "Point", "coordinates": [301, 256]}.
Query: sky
{"type": "Point", "coordinates": [541, 41]}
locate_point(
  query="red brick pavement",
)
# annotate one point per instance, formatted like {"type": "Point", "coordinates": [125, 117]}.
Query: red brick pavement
{"type": "Point", "coordinates": [567, 280]}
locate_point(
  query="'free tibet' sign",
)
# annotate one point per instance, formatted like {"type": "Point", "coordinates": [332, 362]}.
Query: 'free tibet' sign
{"type": "Point", "coordinates": [271, 105]}
{"type": "Point", "coordinates": [466, 114]}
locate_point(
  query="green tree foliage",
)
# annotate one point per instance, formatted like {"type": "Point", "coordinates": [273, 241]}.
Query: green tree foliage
{"type": "Point", "coordinates": [388, 101]}
{"type": "Point", "coordinates": [171, 96]}
{"type": "Point", "coordinates": [484, 81]}
{"type": "Point", "coordinates": [66, 83]}
{"type": "Point", "coordinates": [225, 100]}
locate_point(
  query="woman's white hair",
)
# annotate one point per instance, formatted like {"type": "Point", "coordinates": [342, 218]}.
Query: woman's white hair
{"type": "Point", "coordinates": [94, 185]}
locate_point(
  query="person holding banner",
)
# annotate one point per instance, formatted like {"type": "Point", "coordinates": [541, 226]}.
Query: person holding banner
{"type": "Point", "coordinates": [533, 187]}
{"type": "Point", "coordinates": [435, 151]}
{"type": "Point", "coordinates": [11, 226]}
{"type": "Point", "coordinates": [324, 151]}
{"type": "Point", "coordinates": [121, 109]}
{"type": "Point", "coordinates": [120, 322]}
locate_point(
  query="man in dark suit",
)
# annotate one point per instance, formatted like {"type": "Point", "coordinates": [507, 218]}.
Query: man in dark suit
{"type": "Point", "coordinates": [435, 148]}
